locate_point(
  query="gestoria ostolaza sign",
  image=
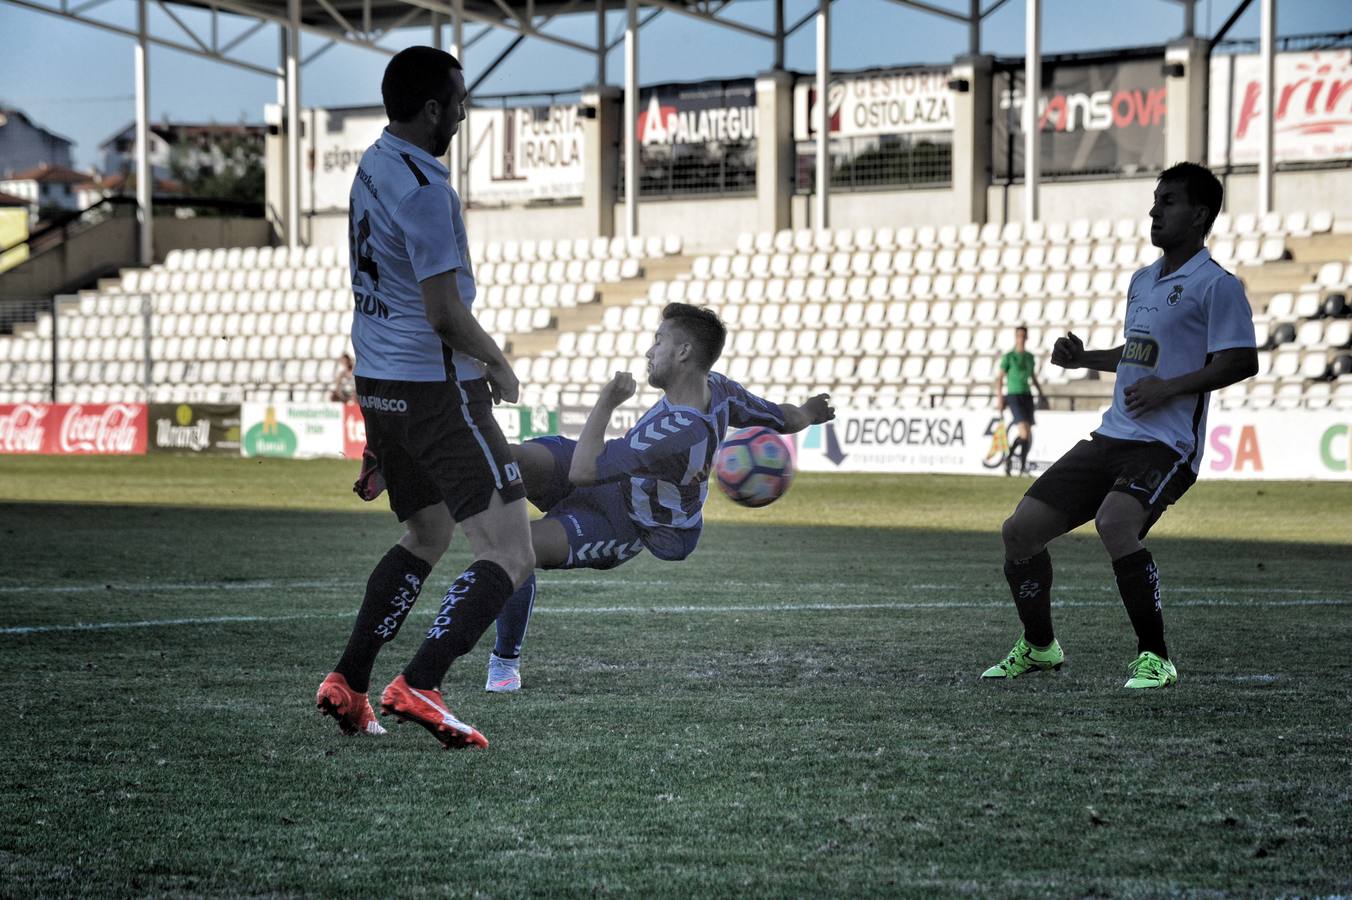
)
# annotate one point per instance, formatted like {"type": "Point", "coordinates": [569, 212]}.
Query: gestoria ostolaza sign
{"type": "Point", "coordinates": [73, 429]}
{"type": "Point", "coordinates": [906, 102]}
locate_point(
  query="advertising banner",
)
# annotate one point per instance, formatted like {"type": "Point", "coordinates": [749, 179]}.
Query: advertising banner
{"type": "Point", "coordinates": [715, 112]}
{"type": "Point", "coordinates": [1289, 445]}
{"type": "Point", "coordinates": [195, 428]}
{"type": "Point", "coordinates": [1313, 97]}
{"type": "Point", "coordinates": [73, 429]}
{"type": "Point", "coordinates": [331, 147]}
{"type": "Point", "coordinates": [904, 102]}
{"type": "Point", "coordinates": [526, 153]}
{"type": "Point", "coordinates": [292, 430]}
{"type": "Point", "coordinates": [1094, 117]}
{"type": "Point", "coordinates": [354, 431]}
{"type": "Point", "coordinates": [516, 155]}
{"type": "Point", "coordinates": [520, 423]}
{"type": "Point", "coordinates": [572, 418]}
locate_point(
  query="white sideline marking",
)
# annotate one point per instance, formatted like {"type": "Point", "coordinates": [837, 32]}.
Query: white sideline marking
{"type": "Point", "coordinates": [658, 610]}
{"type": "Point", "coordinates": [355, 586]}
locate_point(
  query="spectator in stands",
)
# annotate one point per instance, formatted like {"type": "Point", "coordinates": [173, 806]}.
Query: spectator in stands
{"type": "Point", "coordinates": [1189, 331]}
{"type": "Point", "coordinates": [427, 375]}
{"type": "Point", "coordinates": [1014, 391]}
{"type": "Point", "coordinates": [344, 382]}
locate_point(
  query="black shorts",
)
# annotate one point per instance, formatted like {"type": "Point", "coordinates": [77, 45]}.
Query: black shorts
{"type": "Point", "coordinates": [1077, 483]}
{"type": "Point", "coordinates": [437, 442]}
{"type": "Point", "coordinates": [1020, 406]}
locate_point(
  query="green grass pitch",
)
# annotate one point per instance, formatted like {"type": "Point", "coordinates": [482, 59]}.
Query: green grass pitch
{"type": "Point", "coordinates": [794, 711]}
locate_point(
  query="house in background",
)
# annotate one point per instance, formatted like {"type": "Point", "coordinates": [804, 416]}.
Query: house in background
{"type": "Point", "coordinates": [25, 146]}
{"type": "Point", "coordinates": [197, 148]}
{"type": "Point", "coordinates": [47, 189]}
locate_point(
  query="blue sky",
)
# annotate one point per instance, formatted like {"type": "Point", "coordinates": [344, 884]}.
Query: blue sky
{"type": "Point", "coordinates": [77, 81]}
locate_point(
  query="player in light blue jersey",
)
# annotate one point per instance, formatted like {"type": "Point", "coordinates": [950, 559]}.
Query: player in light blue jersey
{"type": "Point", "coordinates": [427, 375]}
{"type": "Point", "coordinates": [607, 501]}
{"type": "Point", "coordinates": [1188, 332]}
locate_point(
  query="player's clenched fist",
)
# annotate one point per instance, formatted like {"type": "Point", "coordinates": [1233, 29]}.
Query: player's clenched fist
{"type": "Point", "coordinates": [617, 390]}
{"type": "Point", "coordinates": [1068, 351]}
{"type": "Point", "coordinates": [819, 409]}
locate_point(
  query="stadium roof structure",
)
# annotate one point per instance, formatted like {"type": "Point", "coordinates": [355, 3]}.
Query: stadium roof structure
{"type": "Point", "coordinates": [365, 23]}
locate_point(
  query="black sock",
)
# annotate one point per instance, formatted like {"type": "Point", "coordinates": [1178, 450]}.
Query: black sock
{"type": "Point", "coordinates": [1138, 580]}
{"type": "Point", "coordinates": [469, 607]}
{"type": "Point", "coordinates": [1030, 581]}
{"type": "Point", "coordinates": [391, 592]}
{"type": "Point", "coordinates": [514, 621]}
{"type": "Point", "coordinates": [1027, 444]}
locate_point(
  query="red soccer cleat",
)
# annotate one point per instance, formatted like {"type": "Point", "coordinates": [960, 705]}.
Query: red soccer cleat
{"type": "Point", "coordinates": [351, 710]}
{"type": "Point", "coordinates": [427, 709]}
{"type": "Point", "coordinates": [370, 480]}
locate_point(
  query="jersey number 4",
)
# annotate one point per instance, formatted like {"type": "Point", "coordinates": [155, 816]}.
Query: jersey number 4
{"type": "Point", "coordinates": [359, 241]}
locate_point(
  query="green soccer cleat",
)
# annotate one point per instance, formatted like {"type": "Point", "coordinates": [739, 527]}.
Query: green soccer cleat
{"type": "Point", "coordinates": [1027, 658]}
{"type": "Point", "coordinates": [1151, 671]}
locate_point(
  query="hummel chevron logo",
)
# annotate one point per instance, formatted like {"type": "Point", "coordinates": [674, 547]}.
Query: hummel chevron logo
{"type": "Point", "coordinates": [669, 425]}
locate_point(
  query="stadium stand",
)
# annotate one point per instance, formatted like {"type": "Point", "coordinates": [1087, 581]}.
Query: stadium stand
{"type": "Point", "coordinates": [877, 317]}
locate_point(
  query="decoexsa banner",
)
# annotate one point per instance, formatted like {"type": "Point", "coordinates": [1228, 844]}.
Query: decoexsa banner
{"type": "Point", "coordinates": [1288, 445]}
{"type": "Point", "coordinates": [1094, 117]}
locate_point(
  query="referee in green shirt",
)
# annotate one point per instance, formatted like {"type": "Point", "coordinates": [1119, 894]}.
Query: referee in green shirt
{"type": "Point", "coordinates": [1018, 377]}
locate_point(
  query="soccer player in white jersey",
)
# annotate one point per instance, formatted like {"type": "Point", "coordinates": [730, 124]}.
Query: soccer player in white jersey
{"type": "Point", "coordinates": [607, 501]}
{"type": "Point", "coordinates": [427, 375]}
{"type": "Point", "coordinates": [1188, 332]}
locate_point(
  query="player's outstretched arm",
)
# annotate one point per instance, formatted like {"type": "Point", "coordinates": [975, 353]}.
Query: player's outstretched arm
{"type": "Point", "coordinates": [1069, 353]}
{"type": "Point", "coordinates": [459, 330]}
{"type": "Point", "coordinates": [1225, 368]}
{"type": "Point", "coordinates": [592, 440]}
{"type": "Point", "coordinates": [814, 411]}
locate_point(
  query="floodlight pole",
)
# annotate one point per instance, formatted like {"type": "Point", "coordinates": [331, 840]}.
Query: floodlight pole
{"type": "Point", "coordinates": [456, 156]}
{"type": "Point", "coordinates": [600, 42]}
{"type": "Point", "coordinates": [779, 37]}
{"type": "Point", "coordinates": [292, 124]}
{"type": "Point", "coordinates": [974, 28]}
{"type": "Point", "coordinates": [1268, 18]}
{"type": "Point", "coordinates": [1032, 92]}
{"type": "Point", "coordinates": [144, 177]}
{"type": "Point", "coordinates": [823, 195]}
{"type": "Point", "coordinates": [631, 149]}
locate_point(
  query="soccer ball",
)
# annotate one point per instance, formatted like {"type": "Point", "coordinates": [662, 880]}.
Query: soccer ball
{"type": "Point", "coordinates": [753, 467]}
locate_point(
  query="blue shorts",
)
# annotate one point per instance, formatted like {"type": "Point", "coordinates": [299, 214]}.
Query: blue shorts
{"type": "Point", "coordinates": [601, 534]}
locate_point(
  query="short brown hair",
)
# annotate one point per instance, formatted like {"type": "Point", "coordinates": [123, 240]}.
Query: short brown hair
{"type": "Point", "coordinates": [702, 327]}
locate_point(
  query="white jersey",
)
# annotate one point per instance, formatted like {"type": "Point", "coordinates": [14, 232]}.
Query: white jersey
{"type": "Point", "coordinates": [1174, 324]}
{"type": "Point", "coordinates": [404, 226]}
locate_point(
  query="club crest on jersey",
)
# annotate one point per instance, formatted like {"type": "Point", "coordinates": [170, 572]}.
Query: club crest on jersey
{"type": "Point", "coordinates": [1141, 351]}
{"type": "Point", "coordinates": [1175, 295]}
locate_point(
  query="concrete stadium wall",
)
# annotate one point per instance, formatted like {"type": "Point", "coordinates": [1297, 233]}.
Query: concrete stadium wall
{"type": "Point", "coordinates": [1129, 197]}
{"type": "Point", "coordinates": [172, 233]}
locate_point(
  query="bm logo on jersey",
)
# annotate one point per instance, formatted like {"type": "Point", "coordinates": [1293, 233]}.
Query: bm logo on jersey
{"type": "Point", "coordinates": [1141, 351]}
{"type": "Point", "coordinates": [1175, 295]}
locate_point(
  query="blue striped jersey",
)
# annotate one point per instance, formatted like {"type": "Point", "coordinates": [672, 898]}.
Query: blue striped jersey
{"type": "Point", "coordinates": [667, 456]}
{"type": "Point", "coordinates": [404, 226]}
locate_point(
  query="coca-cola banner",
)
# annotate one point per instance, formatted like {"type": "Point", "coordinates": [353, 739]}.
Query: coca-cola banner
{"type": "Point", "coordinates": [194, 428]}
{"type": "Point", "coordinates": [1313, 99]}
{"type": "Point", "coordinates": [63, 429]}
{"type": "Point", "coordinates": [1094, 117]}
{"type": "Point", "coordinates": [525, 153]}
{"type": "Point", "coordinates": [905, 102]}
